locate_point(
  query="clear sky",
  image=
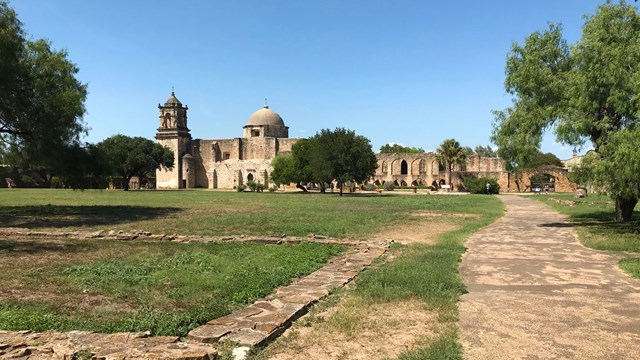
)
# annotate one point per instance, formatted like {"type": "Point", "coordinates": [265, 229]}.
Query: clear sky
{"type": "Point", "coordinates": [395, 71]}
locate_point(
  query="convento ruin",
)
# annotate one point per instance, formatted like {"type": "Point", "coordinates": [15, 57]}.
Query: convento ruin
{"type": "Point", "coordinates": [227, 163]}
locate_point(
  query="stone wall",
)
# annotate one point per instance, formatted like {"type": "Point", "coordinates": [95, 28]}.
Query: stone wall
{"type": "Point", "coordinates": [425, 169]}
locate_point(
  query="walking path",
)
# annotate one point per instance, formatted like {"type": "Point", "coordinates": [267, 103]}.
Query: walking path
{"type": "Point", "coordinates": [536, 293]}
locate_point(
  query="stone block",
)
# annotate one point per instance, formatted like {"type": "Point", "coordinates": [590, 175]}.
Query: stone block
{"type": "Point", "coordinates": [208, 333]}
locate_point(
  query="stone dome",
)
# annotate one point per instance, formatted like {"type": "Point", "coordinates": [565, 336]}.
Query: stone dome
{"type": "Point", "coordinates": [265, 116]}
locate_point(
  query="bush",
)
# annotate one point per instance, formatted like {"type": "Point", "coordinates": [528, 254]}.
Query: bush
{"type": "Point", "coordinates": [241, 187]}
{"type": "Point", "coordinates": [273, 189]}
{"type": "Point", "coordinates": [479, 185]}
{"type": "Point", "coordinates": [389, 186]}
{"type": "Point", "coordinates": [255, 186]}
{"type": "Point", "coordinates": [369, 187]}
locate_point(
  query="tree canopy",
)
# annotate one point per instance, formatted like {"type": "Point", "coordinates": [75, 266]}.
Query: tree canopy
{"type": "Point", "coordinates": [133, 156]}
{"type": "Point", "coordinates": [586, 94]}
{"type": "Point", "coordinates": [339, 155]}
{"type": "Point", "coordinates": [41, 101]}
{"type": "Point", "coordinates": [450, 153]}
{"type": "Point", "coordinates": [399, 149]}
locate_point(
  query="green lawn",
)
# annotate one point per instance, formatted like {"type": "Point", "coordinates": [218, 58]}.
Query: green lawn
{"type": "Point", "coordinates": [201, 212]}
{"type": "Point", "coordinates": [169, 288]}
{"type": "Point", "coordinates": [595, 224]}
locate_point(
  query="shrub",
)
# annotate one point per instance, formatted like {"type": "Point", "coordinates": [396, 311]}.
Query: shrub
{"type": "Point", "coordinates": [389, 186]}
{"type": "Point", "coordinates": [241, 187]}
{"type": "Point", "coordinates": [479, 185]}
{"type": "Point", "coordinates": [273, 189]}
{"type": "Point", "coordinates": [255, 186]}
{"type": "Point", "coordinates": [369, 187]}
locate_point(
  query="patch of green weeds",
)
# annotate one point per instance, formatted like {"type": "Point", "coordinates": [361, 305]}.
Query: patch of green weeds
{"type": "Point", "coordinates": [631, 266]}
{"type": "Point", "coordinates": [171, 287]}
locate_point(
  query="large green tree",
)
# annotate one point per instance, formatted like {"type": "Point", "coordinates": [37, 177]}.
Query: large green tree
{"type": "Point", "coordinates": [586, 94]}
{"type": "Point", "coordinates": [450, 153]}
{"type": "Point", "coordinates": [41, 101]}
{"type": "Point", "coordinates": [133, 156]}
{"type": "Point", "coordinates": [344, 156]}
{"type": "Point", "coordinates": [339, 155]}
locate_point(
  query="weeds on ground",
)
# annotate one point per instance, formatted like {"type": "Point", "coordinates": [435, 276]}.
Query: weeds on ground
{"type": "Point", "coordinates": [165, 288]}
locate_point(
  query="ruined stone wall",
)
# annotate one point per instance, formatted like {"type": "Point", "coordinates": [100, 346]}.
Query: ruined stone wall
{"type": "Point", "coordinates": [424, 169]}
{"type": "Point", "coordinates": [229, 174]}
{"type": "Point", "coordinates": [562, 182]}
{"type": "Point", "coordinates": [203, 154]}
{"type": "Point", "coordinates": [285, 144]}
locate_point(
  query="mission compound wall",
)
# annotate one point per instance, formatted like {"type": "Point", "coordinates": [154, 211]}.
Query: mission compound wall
{"type": "Point", "coordinates": [227, 163]}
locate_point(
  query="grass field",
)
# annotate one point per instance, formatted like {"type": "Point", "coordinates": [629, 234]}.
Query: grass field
{"type": "Point", "coordinates": [198, 212]}
{"type": "Point", "coordinates": [169, 288]}
{"type": "Point", "coordinates": [594, 220]}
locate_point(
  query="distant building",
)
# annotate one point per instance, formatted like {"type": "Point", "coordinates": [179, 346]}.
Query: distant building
{"type": "Point", "coordinates": [219, 163]}
{"type": "Point", "coordinates": [227, 163]}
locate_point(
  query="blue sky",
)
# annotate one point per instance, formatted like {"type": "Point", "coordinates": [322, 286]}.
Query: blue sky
{"type": "Point", "coordinates": [407, 72]}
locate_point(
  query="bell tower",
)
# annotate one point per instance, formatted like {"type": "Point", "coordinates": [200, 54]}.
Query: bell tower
{"type": "Point", "coordinates": [174, 134]}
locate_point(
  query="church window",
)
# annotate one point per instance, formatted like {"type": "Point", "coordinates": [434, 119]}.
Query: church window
{"type": "Point", "coordinates": [226, 156]}
{"type": "Point", "coordinates": [403, 168]}
{"type": "Point", "coordinates": [255, 133]}
{"type": "Point", "coordinates": [250, 177]}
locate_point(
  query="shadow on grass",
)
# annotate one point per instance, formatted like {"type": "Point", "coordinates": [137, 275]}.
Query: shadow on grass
{"type": "Point", "coordinates": [605, 221]}
{"type": "Point", "coordinates": [59, 216]}
{"type": "Point", "coordinates": [36, 247]}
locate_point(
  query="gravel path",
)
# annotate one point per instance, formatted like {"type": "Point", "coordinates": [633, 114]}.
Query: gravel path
{"type": "Point", "coordinates": [536, 293]}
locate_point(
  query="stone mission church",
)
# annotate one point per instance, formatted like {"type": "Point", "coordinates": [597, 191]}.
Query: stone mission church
{"type": "Point", "coordinates": [219, 163]}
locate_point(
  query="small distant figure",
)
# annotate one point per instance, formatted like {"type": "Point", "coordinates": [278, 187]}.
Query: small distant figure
{"type": "Point", "coordinates": [10, 183]}
{"type": "Point", "coordinates": [331, 186]}
{"type": "Point", "coordinates": [488, 188]}
{"type": "Point", "coordinates": [546, 189]}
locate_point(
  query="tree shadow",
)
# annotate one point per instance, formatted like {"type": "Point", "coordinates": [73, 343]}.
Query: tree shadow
{"type": "Point", "coordinates": [605, 221]}
{"type": "Point", "coordinates": [61, 216]}
{"type": "Point", "coordinates": [35, 247]}
{"type": "Point", "coordinates": [558, 225]}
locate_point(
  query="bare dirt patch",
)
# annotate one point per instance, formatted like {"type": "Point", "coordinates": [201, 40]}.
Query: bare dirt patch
{"type": "Point", "coordinates": [420, 227]}
{"type": "Point", "coordinates": [354, 331]}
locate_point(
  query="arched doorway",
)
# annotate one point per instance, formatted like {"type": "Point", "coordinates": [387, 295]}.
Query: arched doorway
{"type": "Point", "coordinates": [250, 177]}
{"type": "Point", "coordinates": [403, 168]}
{"type": "Point", "coordinates": [543, 182]}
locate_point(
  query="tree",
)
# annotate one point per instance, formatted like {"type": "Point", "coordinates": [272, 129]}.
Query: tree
{"type": "Point", "coordinates": [450, 153]}
{"type": "Point", "coordinates": [619, 156]}
{"type": "Point", "coordinates": [134, 156]}
{"type": "Point", "coordinates": [343, 155]}
{"type": "Point", "coordinates": [586, 94]}
{"type": "Point", "coordinates": [544, 159]}
{"type": "Point", "coordinates": [485, 151]}
{"type": "Point", "coordinates": [399, 149]}
{"type": "Point", "coordinates": [41, 101]}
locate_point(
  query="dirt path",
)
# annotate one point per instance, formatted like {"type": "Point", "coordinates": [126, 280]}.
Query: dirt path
{"type": "Point", "coordinates": [536, 293]}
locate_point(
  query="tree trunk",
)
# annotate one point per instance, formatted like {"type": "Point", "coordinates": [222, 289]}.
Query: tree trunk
{"type": "Point", "coordinates": [340, 186]}
{"type": "Point", "coordinates": [322, 187]}
{"type": "Point", "coordinates": [125, 184]}
{"type": "Point", "coordinates": [299, 186]}
{"type": "Point", "coordinates": [624, 209]}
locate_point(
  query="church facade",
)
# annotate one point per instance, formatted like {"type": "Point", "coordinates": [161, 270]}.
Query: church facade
{"type": "Point", "coordinates": [219, 163]}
